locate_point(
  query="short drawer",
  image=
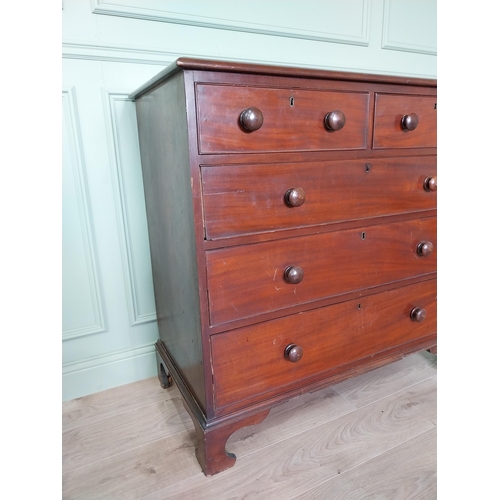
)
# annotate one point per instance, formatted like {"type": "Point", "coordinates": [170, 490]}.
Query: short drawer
{"type": "Point", "coordinates": [244, 199]}
{"type": "Point", "coordinates": [289, 119]}
{"type": "Point", "coordinates": [250, 364]}
{"type": "Point", "coordinates": [253, 279]}
{"type": "Point", "coordinates": [403, 121]}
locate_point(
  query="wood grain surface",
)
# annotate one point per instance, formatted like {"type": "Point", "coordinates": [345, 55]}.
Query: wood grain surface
{"type": "Point", "coordinates": [248, 280]}
{"type": "Point", "coordinates": [331, 449]}
{"type": "Point", "coordinates": [286, 127]}
{"type": "Point", "coordinates": [237, 202]}
{"type": "Point", "coordinates": [406, 471]}
{"type": "Point", "coordinates": [249, 363]}
{"type": "Point", "coordinates": [390, 109]}
{"type": "Point", "coordinates": [239, 279]}
{"type": "Point", "coordinates": [351, 440]}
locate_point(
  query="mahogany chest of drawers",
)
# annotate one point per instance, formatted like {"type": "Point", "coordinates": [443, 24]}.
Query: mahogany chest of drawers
{"type": "Point", "coordinates": [292, 225]}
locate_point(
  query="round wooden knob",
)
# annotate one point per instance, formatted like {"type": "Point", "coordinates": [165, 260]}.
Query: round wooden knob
{"type": "Point", "coordinates": [425, 248]}
{"type": "Point", "coordinates": [294, 274]}
{"type": "Point", "coordinates": [431, 184]}
{"type": "Point", "coordinates": [418, 314]}
{"type": "Point", "coordinates": [251, 119]}
{"type": "Point", "coordinates": [409, 122]}
{"type": "Point", "coordinates": [293, 353]}
{"type": "Point", "coordinates": [335, 120]}
{"type": "Point", "coordinates": [295, 197]}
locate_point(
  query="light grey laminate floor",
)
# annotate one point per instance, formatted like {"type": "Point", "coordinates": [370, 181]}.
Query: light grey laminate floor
{"type": "Point", "coordinates": [371, 437]}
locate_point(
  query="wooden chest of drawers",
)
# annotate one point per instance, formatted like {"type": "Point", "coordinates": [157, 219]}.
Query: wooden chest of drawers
{"type": "Point", "coordinates": [292, 225]}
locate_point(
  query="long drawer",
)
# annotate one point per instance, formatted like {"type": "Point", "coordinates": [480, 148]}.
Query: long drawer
{"type": "Point", "coordinates": [254, 279]}
{"type": "Point", "coordinates": [250, 363]}
{"type": "Point", "coordinates": [244, 199]}
{"type": "Point", "coordinates": [289, 119]}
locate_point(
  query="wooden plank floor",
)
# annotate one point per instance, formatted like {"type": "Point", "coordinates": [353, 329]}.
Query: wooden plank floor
{"type": "Point", "coordinates": [371, 437]}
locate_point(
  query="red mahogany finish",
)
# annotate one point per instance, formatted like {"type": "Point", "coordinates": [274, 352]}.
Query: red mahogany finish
{"type": "Point", "coordinates": [250, 280]}
{"type": "Point", "coordinates": [236, 202]}
{"type": "Point", "coordinates": [249, 363]}
{"type": "Point", "coordinates": [292, 226]}
{"type": "Point", "coordinates": [404, 121]}
{"type": "Point", "coordinates": [289, 119]}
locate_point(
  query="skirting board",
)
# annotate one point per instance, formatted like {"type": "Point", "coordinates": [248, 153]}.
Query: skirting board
{"type": "Point", "coordinates": [105, 372]}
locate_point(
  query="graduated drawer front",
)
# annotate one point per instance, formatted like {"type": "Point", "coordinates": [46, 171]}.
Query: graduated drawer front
{"type": "Point", "coordinates": [249, 363]}
{"type": "Point", "coordinates": [249, 280]}
{"type": "Point", "coordinates": [243, 199]}
{"type": "Point", "coordinates": [285, 128]}
{"type": "Point", "coordinates": [390, 110]}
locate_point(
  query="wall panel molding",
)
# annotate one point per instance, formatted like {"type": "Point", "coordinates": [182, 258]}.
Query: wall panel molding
{"type": "Point", "coordinates": [110, 48]}
{"type": "Point", "coordinates": [92, 318]}
{"type": "Point", "coordinates": [131, 208]}
{"type": "Point", "coordinates": [405, 30]}
{"type": "Point", "coordinates": [116, 53]}
{"type": "Point", "coordinates": [350, 28]}
{"type": "Point", "coordinates": [128, 54]}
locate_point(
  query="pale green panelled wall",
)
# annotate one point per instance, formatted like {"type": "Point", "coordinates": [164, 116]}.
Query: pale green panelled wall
{"type": "Point", "coordinates": [111, 47]}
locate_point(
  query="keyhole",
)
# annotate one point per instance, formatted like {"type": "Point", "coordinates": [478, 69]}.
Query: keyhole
{"type": "Point", "coordinates": [435, 105]}
{"type": "Point", "coordinates": [291, 101]}
{"type": "Point", "coordinates": [363, 235]}
{"type": "Point", "coordinates": [359, 307]}
{"type": "Point", "coordinates": [367, 167]}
